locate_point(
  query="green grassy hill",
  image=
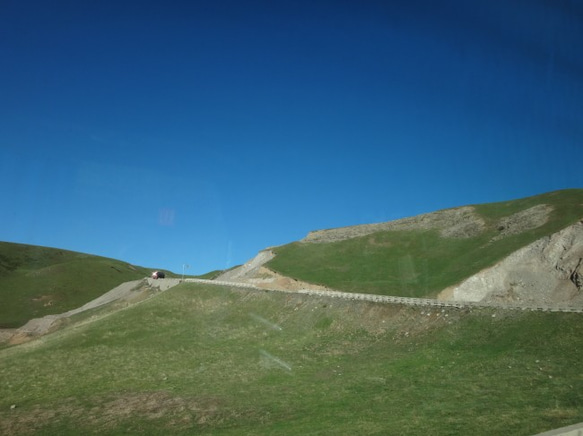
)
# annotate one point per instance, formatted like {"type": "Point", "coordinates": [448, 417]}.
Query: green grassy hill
{"type": "Point", "coordinates": [38, 281]}
{"type": "Point", "coordinates": [206, 359]}
{"type": "Point", "coordinates": [201, 359]}
{"type": "Point", "coordinates": [421, 263]}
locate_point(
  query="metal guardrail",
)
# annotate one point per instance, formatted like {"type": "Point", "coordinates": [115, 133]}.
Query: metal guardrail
{"type": "Point", "coordinates": [410, 301]}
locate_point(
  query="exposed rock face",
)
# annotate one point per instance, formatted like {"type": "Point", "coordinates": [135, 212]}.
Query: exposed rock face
{"type": "Point", "coordinates": [548, 271]}
{"type": "Point", "coordinates": [461, 222]}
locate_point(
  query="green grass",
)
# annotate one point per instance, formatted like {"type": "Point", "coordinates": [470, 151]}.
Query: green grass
{"type": "Point", "coordinates": [38, 281]}
{"type": "Point", "coordinates": [420, 263]}
{"type": "Point", "coordinates": [202, 359]}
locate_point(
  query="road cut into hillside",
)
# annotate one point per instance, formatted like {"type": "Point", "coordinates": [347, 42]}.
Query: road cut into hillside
{"type": "Point", "coordinates": [399, 300]}
{"type": "Point", "coordinates": [546, 275]}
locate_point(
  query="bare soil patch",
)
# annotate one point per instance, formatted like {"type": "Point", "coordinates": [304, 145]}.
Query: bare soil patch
{"type": "Point", "coordinates": [522, 221]}
{"type": "Point", "coordinates": [268, 279]}
{"type": "Point", "coordinates": [547, 272]}
{"type": "Point", "coordinates": [461, 222]}
{"type": "Point", "coordinates": [106, 413]}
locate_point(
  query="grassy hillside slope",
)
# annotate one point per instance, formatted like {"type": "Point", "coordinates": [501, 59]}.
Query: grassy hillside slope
{"type": "Point", "coordinates": [37, 281]}
{"type": "Point", "coordinates": [419, 263]}
{"type": "Point", "coordinates": [202, 359]}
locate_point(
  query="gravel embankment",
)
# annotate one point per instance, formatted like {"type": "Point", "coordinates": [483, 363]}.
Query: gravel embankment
{"type": "Point", "coordinates": [400, 300]}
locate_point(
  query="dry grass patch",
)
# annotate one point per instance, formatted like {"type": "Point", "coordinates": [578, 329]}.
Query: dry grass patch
{"type": "Point", "coordinates": [106, 413]}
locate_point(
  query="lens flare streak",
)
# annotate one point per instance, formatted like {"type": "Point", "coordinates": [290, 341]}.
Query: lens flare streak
{"type": "Point", "coordinates": [271, 359]}
{"type": "Point", "coordinates": [265, 322]}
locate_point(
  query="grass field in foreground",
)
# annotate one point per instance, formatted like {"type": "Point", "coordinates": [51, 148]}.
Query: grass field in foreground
{"type": "Point", "coordinates": [202, 359]}
{"type": "Point", "coordinates": [420, 263]}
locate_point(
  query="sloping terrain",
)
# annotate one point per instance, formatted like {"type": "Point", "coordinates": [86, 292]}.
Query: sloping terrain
{"type": "Point", "coordinates": [460, 222]}
{"type": "Point", "coordinates": [38, 281]}
{"type": "Point", "coordinates": [423, 256]}
{"type": "Point", "coordinates": [438, 255]}
{"type": "Point", "coordinates": [204, 359]}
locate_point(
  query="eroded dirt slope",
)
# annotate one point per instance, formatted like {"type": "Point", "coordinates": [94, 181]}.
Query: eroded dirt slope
{"type": "Point", "coordinates": [548, 271]}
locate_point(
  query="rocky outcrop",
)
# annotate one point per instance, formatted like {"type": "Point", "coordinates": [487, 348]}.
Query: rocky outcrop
{"type": "Point", "coordinates": [548, 271]}
{"type": "Point", "coordinates": [461, 222]}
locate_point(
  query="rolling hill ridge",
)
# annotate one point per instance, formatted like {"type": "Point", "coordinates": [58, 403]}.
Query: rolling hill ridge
{"type": "Point", "coordinates": [210, 358]}
{"type": "Point", "coordinates": [37, 281]}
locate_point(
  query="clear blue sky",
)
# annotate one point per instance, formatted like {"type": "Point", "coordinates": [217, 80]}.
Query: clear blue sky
{"type": "Point", "coordinates": [200, 132]}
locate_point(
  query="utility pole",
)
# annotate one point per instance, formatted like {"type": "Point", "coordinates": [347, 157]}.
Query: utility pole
{"type": "Point", "coordinates": [184, 266]}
